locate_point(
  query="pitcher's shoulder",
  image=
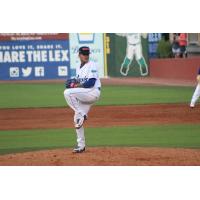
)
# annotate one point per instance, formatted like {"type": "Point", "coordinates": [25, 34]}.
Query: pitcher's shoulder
{"type": "Point", "coordinates": [93, 64]}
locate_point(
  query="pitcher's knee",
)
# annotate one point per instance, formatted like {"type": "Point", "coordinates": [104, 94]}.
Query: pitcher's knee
{"type": "Point", "coordinates": [67, 92]}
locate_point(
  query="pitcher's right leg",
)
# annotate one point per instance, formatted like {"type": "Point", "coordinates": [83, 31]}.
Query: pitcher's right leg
{"type": "Point", "coordinates": [80, 141]}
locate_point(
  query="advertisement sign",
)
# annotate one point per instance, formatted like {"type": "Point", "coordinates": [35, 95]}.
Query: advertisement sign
{"type": "Point", "coordinates": [153, 39]}
{"type": "Point", "coordinates": [95, 42]}
{"type": "Point", "coordinates": [127, 55]}
{"type": "Point", "coordinates": [34, 59]}
{"type": "Point", "coordinates": [33, 36]}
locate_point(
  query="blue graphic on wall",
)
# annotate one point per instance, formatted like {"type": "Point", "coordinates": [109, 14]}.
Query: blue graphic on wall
{"type": "Point", "coordinates": [34, 60]}
{"type": "Point", "coordinates": [153, 39]}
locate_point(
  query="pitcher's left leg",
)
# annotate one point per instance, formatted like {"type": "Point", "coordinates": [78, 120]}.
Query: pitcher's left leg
{"type": "Point", "coordinates": [71, 100]}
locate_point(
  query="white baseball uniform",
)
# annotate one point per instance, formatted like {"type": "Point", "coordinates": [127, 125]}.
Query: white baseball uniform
{"type": "Point", "coordinates": [81, 99]}
{"type": "Point", "coordinates": [134, 46]}
{"type": "Point", "coordinates": [195, 96]}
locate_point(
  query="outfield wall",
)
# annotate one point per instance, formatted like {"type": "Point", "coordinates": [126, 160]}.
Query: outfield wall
{"type": "Point", "coordinates": [47, 56]}
{"type": "Point", "coordinates": [176, 68]}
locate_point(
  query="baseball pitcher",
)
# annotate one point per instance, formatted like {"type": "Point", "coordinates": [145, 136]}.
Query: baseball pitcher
{"type": "Point", "coordinates": [196, 94]}
{"type": "Point", "coordinates": [134, 48]}
{"type": "Point", "coordinates": [81, 93]}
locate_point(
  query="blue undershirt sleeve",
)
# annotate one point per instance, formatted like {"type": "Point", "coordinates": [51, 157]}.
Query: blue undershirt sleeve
{"type": "Point", "coordinates": [89, 83]}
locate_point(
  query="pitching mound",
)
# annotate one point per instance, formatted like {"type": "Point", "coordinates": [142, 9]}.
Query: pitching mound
{"type": "Point", "coordinates": [107, 156]}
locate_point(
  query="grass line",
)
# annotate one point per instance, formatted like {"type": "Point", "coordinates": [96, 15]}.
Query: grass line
{"type": "Point", "coordinates": [177, 136]}
{"type": "Point", "coordinates": [51, 95]}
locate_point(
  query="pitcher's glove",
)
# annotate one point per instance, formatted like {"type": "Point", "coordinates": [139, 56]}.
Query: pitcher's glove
{"type": "Point", "coordinates": [72, 83]}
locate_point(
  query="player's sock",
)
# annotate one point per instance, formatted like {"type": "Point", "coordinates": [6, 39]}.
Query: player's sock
{"type": "Point", "coordinates": [126, 62]}
{"type": "Point", "coordinates": [80, 137]}
{"type": "Point", "coordinates": [143, 66]}
{"type": "Point", "coordinates": [125, 66]}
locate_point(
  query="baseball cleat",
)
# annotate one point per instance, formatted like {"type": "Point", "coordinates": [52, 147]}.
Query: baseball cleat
{"type": "Point", "coordinates": [124, 70]}
{"type": "Point", "coordinates": [80, 121]}
{"type": "Point", "coordinates": [78, 149]}
{"type": "Point", "coordinates": [143, 70]}
{"type": "Point", "coordinates": [192, 105]}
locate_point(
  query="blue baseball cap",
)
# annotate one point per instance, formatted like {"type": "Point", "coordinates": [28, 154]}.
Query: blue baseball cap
{"type": "Point", "coordinates": [84, 50]}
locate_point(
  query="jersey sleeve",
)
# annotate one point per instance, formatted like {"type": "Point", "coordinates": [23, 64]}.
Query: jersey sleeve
{"type": "Point", "coordinates": [93, 71]}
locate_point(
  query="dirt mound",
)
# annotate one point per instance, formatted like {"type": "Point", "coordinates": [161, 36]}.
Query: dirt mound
{"type": "Point", "coordinates": [106, 156]}
{"type": "Point", "coordinates": [100, 116]}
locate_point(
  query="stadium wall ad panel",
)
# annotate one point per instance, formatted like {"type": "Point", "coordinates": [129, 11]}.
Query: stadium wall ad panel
{"type": "Point", "coordinates": [153, 40]}
{"type": "Point", "coordinates": [34, 56]}
{"type": "Point", "coordinates": [128, 50]}
{"type": "Point", "coordinates": [33, 36]}
{"type": "Point", "coordinates": [95, 41]}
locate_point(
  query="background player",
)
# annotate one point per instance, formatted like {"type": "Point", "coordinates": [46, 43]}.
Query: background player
{"type": "Point", "coordinates": [81, 93]}
{"type": "Point", "coordinates": [196, 94]}
{"type": "Point", "coordinates": [134, 48]}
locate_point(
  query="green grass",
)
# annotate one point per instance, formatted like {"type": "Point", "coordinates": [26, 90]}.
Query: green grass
{"type": "Point", "coordinates": [51, 95]}
{"type": "Point", "coordinates": [185, 136]}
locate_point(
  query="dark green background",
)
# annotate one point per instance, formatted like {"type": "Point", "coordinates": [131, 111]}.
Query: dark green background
{"type": "Point", "coordinates": [117, 54]}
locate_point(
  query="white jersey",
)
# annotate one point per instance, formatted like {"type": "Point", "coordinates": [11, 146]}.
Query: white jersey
{"type": "Point", "coordinates": [133, 38]}
{"type": "Point", "coordinates": [89, 70]}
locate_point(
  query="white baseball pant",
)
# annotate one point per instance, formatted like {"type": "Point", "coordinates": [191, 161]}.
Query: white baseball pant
{"type": "Point", "coordinates": [81, 100]}
{"type": "Point", "coordinates": [134, 50]}
{"type": "Point", "coordinates": [195, 96]}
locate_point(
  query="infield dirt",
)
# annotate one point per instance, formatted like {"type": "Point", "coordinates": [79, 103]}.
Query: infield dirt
{"type": "Point", "coordinates": [100, 116]}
